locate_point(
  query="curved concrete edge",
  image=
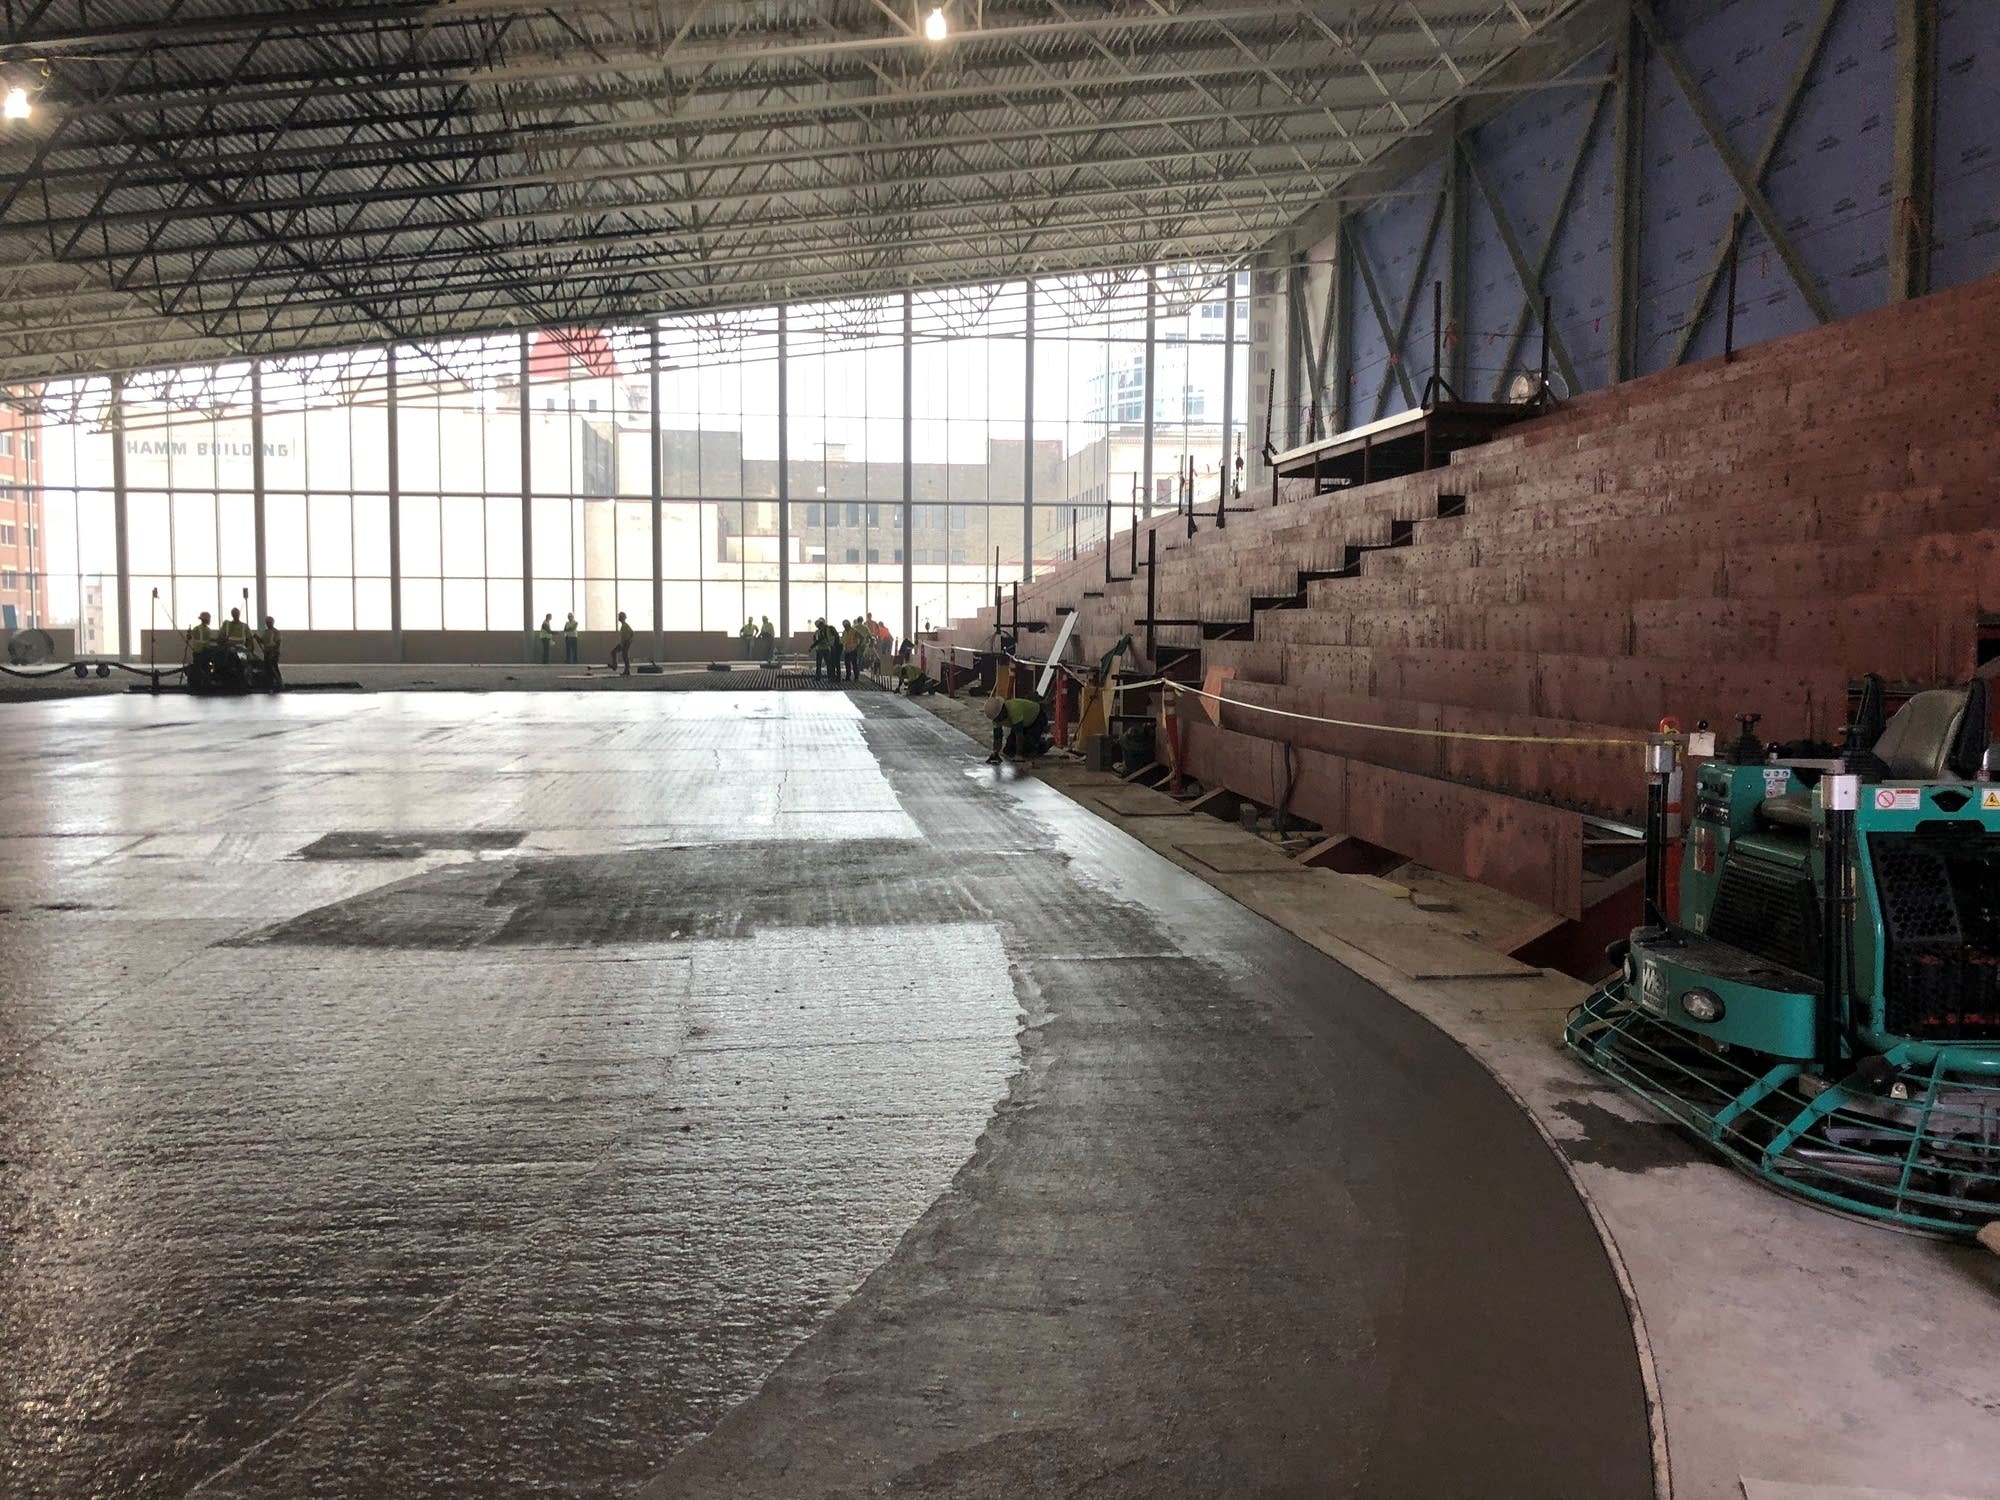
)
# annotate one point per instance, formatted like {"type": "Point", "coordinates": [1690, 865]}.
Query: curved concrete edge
{"type": "Point", "coordinates": [1730, 1286]}
{"type": "Point", "coordinates": [1393, 983]}
{"type": "Point", "coordinates": [1423, 1001]}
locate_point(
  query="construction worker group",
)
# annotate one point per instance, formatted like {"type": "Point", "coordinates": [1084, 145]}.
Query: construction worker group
{"type": "Point", "coordinates": [760, 640]}
{"type": "Point", "coordinates": [546, 635]}
{"type": "Point", "coordinates": [237, 639]}
{"type": "Point", "coordinates": [841, 655]}
{"type": "Point", "coordinates": [621, 650]}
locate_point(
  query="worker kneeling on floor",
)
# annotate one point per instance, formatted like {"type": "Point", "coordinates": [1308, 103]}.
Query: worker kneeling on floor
{"type": "Point", "coordinates": [1020, 727]}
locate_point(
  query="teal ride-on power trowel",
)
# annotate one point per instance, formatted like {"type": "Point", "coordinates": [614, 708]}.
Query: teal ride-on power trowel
{"type": "Point", "coordinates": [1822, 1001]}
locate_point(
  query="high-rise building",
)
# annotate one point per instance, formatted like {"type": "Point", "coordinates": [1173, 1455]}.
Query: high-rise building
{"type": "Point", "coordinates": [23, 568]}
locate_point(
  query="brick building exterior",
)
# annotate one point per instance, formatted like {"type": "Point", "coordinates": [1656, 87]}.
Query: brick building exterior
{"type": "Point", "coordinates": [23, 563]}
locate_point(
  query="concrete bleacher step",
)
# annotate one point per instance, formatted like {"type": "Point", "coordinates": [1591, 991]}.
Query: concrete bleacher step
{"type": "Point", "coordinates": [1709, 539]}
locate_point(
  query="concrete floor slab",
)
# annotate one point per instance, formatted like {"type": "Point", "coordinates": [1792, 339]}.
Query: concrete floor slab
{"type": "Point", "coordinates": [785, 1113]}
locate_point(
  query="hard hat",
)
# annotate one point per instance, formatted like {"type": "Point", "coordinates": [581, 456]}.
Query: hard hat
{"type": "Point", "coordinates": [994, 708]}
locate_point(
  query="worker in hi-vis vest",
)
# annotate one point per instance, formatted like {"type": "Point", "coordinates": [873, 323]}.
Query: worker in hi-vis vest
{"type": "Point", "coordinates": [569, 638]}
{"type": "Point", "coordinates": [546, 634]}
{"type": "Point", "coordinates": [1020, 724]}
{"type": "Point", "coordinates": [200, 636]}
{"type": "Point", "coordinates": [235, 632]}
{"type": "Point", "coordinates": [269, 643]}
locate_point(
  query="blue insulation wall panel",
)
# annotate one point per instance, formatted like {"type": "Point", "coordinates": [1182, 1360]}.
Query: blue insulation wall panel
{"type": "Point", "coordinates": [1391, 234]}
{"type": "Point", "coordinates": [1966, 196]}
{"type": "Point", "coordinates": [1829, 182]}
{"type": "Point", "coordinates": [1526, 154]}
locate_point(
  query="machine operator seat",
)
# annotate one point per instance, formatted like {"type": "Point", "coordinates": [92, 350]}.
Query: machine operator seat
{"type": "Point", "coordinates": [1918, 742]}
{"type": "Point", "coordinates": [1917, 745]}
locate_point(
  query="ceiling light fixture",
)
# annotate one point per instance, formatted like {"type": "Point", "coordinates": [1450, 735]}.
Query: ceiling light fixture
{"type": "Point", "coordinates": [17, 106]}
{"type": "Point", "coordinates": [935, 27]}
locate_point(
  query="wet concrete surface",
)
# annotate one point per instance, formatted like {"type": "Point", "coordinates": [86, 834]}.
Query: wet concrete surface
{"type": "Point", "coordinates": [723, 1094]}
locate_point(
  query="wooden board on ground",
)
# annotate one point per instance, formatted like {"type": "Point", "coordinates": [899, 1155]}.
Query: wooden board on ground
{"type": "Point", "coordinates": [1382, 926]}
{"type": "Point", "coordinates": [1238, 857]}
{"type": "Point", "coordinates": [1134, 802]}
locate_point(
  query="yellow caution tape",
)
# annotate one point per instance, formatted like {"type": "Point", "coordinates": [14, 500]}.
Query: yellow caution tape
{"type": "Point", "coordinates": [1436, 734]}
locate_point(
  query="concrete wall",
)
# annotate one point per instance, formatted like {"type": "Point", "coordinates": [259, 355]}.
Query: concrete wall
{"type": "Point", "coordinates": [498, 647]}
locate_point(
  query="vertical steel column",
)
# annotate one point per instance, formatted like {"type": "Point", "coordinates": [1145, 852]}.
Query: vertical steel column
{"type": "Point", "coordinates": [1343, 330]}
{"type": "Point", "coordinates": [1628, 145]}
{"type": "Point", "coordinates": [1152, 602]}
{"type": "Point", "coordinates": [1028, 440]}
{"type": "Point", "coordinates": [1146, 442]}
{"type": "Point", "coordinates": [659, 581]}
{"type": "Point", "coordinates": [395, 513]}
{"type": "Point", "coordinates": [528, 516]}
{"type": "Point", "coordinates": [1228, 398]}
{"type": "Point", "coordinates": [1322, 353]}
{"type": "Point", "coordinates": [1298, 352]}
{"type": "Point", "coordinates": [1915, 153]}
{"type": "Point", "coordinates": [120, 524]}
{"type": "Point", "coordinates": [909, 472]}
{"type": "Point", "coordinates": [1457, 346]}
{"type": "Point", "coordinates": [784, 490]}
{"type": "Point", "coordinates": [257, 518]}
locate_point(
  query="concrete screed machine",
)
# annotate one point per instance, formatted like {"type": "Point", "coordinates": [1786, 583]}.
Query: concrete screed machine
{"type": "Point", "coordinates": [1822, 1000]}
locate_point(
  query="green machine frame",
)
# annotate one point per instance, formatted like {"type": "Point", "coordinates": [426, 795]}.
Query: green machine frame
{"type": "Point", "coordinates": [1824, 1007]}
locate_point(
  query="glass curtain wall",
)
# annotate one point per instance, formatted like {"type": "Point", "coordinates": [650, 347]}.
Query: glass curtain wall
{"type": "Point", "coordinates": [1195, 376]}
{"type": "Point", "coordinates": [1090, 352]}
{"type": "Point", "coordinates": [71, 428]}
{"type": "Point", "coordinates": [719, 466]}
{"type": "Point", "coordinates": [458, 485]}
{"type": "Point", "coordinates": [326, 476]}
{"type": "Point", "coordinates": [968, 434]}
{"type": "Point", "coordinates": [476, 484]}
{"type": "Point", "coordinates": [844, 451]}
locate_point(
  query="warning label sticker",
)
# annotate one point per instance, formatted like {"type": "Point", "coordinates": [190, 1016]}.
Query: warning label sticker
{"type": "Point", "coordinates": [1776, 780]}
{"type": "Point", "coordinates": [1989, 799]}
{"type": "Point", "coordinates": [1897, 798]}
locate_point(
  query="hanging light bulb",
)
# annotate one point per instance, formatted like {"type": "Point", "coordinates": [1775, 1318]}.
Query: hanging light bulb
{"type": "Point", "coordinates": [17, 106]}
{"type": "Point", "coordinates": [935, 27]}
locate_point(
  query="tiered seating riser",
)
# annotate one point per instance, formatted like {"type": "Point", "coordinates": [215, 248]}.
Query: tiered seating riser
{"type": "Point", "coordinates": [1610, 778]}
